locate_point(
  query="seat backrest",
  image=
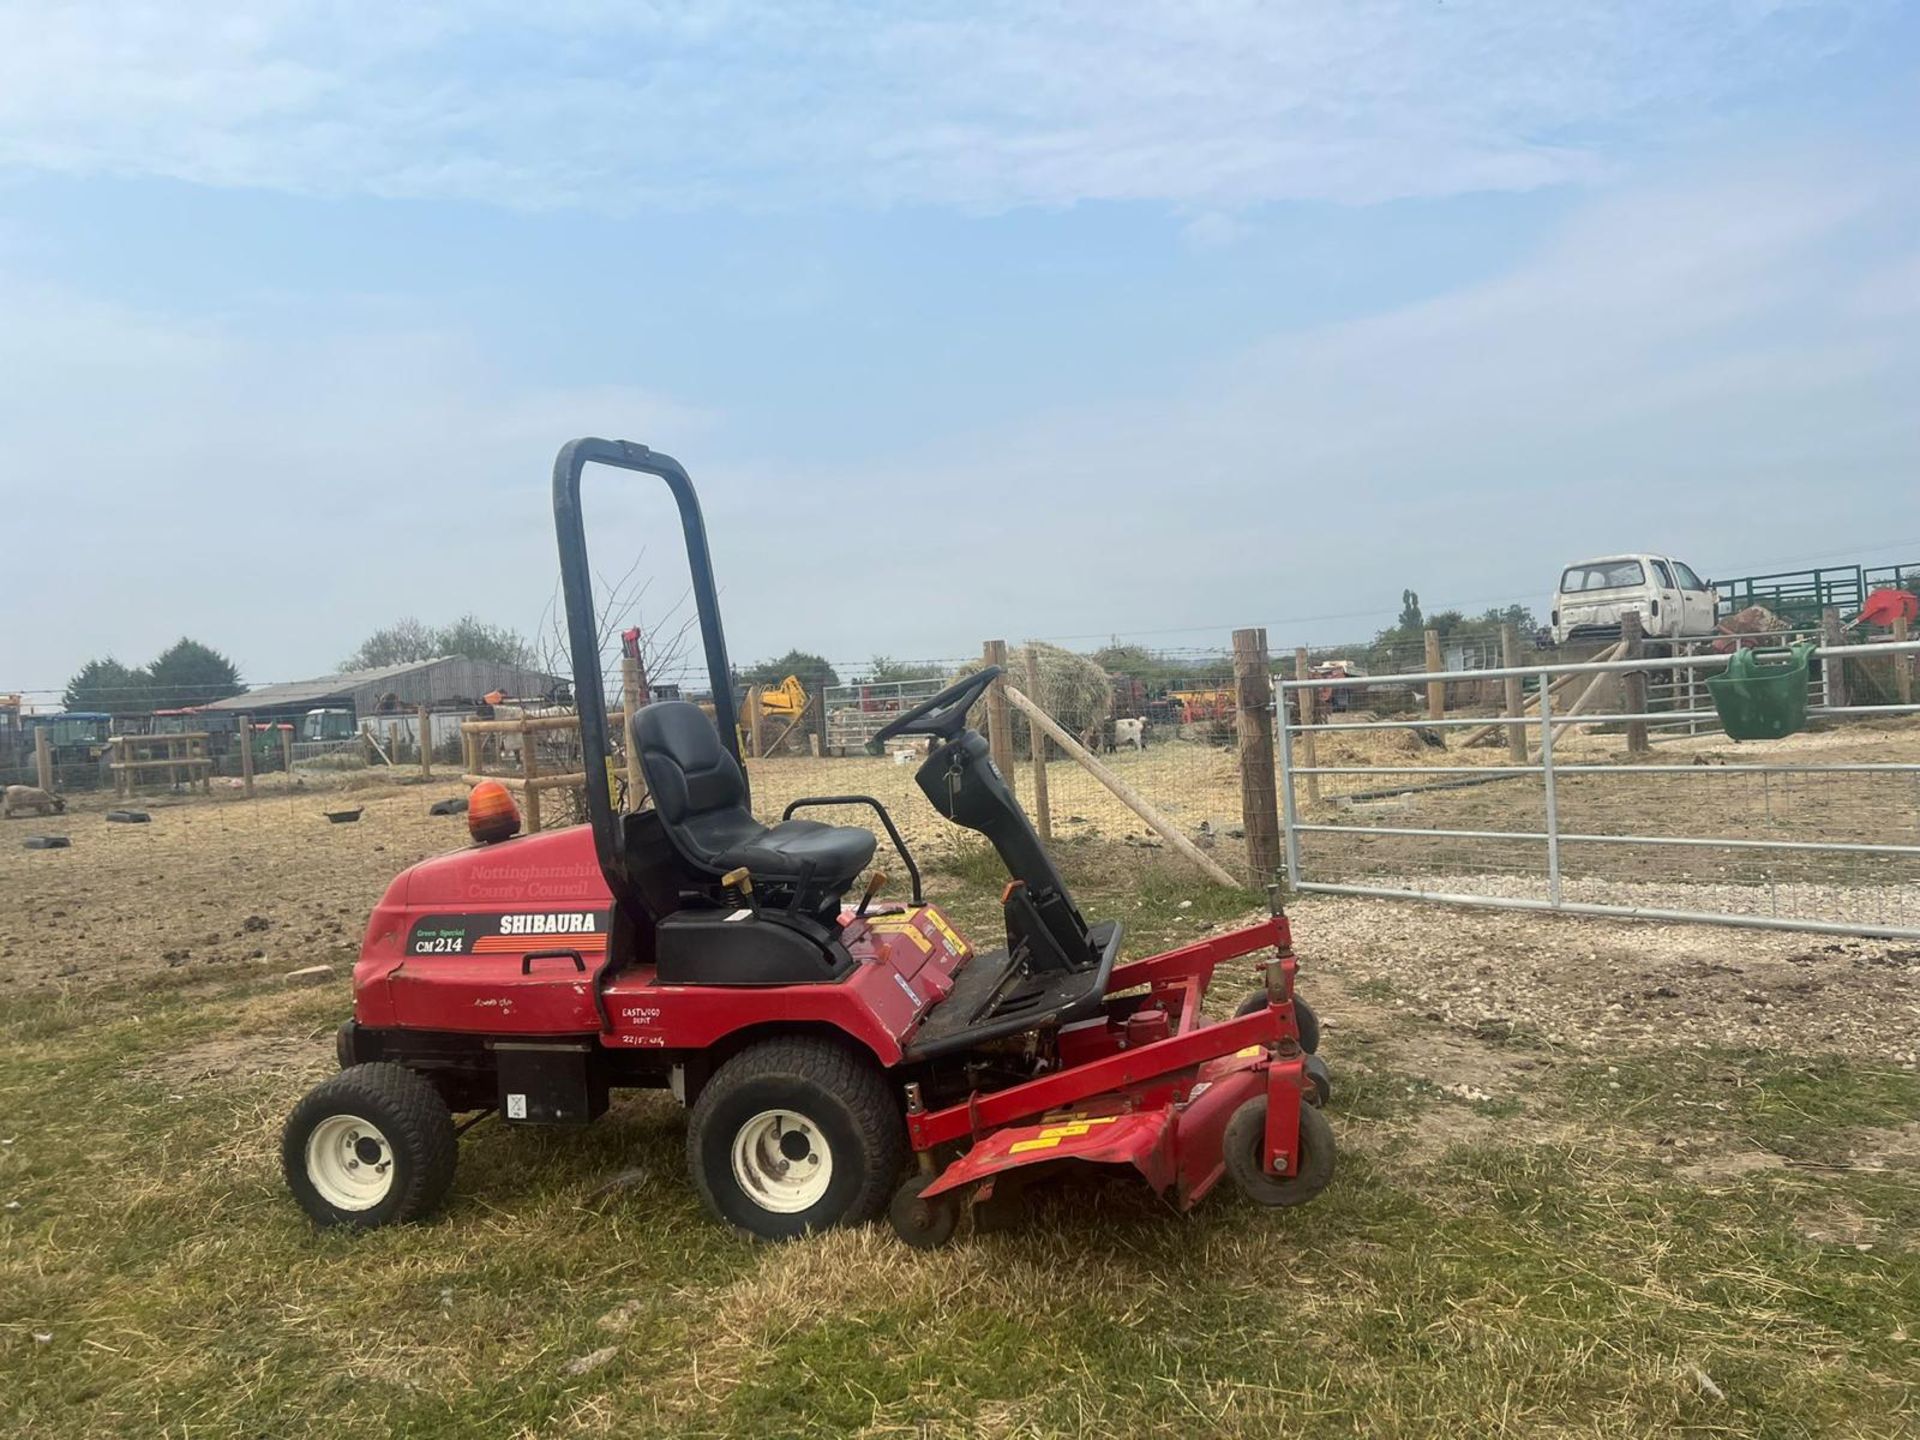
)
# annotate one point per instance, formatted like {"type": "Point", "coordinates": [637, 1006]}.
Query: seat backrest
{"type": "Point", "coordinates": [690, 774]}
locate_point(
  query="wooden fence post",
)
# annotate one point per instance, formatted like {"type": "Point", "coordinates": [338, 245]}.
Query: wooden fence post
{"type": "Point", "coordinates": [246, 755]}
{"type": "Point", "coordinates": [42, 759]}
{"type": "Point", "coordinates": [529, 771]}
{"type": "Point", "coordinates": [752, 721]}
{"type": "Point", "coordinates": [1042, 805]}
{"type": "Point", "coordinates": [1516, 694]}
{"type": "Point", "coordinates": [1902, 664]}
{"type": "Point", "coordinates": [633, 689]}
{"type": "Point", "coordinates": [426, 743]}
{"type": "Point", "coordinates": [1436, 689]}
{"type": "Point", "coordinates": [1832, 632]}
{"type": "Point", "coordinates": [1000, 716]}
{"type": "Point", "coordinates": [286, 750]}
{"type": "Point", "coordinates": [1633, 688]}
{"type": "Point", "coordinates": [1309, 708]}
{"type": "Point", "coordinates": [1254, 719]}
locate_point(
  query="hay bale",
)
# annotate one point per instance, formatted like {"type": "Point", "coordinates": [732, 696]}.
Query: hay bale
{"type": "Point", "coordinates": [1072, 688]}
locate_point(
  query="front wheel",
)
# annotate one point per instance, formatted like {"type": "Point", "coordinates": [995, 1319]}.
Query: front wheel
{"type": "Point", "coordinates": [1245, 1144]}
{"type": "Point", "coordinates": [794, 1136]}
{"type": "Point", "coordinates": [372, 1146]}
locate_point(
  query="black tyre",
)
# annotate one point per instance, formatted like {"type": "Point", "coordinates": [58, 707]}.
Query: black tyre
{"type": "Point", "coordinates": [1319, 1081]}
{"type": "Point", "coordinates": [794, 1136]}
{"type": "Point", "coordinates": [1304, 1018]}
{"type": "Point", "coordinates": [372, 1146]}
{"type": "Point", "coordinates": [1245, 1143]}
{"type": "Point", "coordinates": [924, 1224]}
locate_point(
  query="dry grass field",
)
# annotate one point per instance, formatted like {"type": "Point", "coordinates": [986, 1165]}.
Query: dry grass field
{"type": "Point", "coordinates": [1596, 1179]}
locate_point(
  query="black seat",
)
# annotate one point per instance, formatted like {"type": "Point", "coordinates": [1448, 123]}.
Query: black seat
{"type": "Point", "coordinates": [701, 796]}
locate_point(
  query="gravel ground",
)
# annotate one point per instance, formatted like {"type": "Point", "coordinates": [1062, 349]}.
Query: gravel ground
{"type": "Point", "coordinates": [1591, 985]}
{"type": "Point", "coordinates": [1861, 905]}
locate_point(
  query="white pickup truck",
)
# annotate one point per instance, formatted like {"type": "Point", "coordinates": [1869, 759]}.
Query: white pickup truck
{"type": "Point", "coordinates": [1595, 595]}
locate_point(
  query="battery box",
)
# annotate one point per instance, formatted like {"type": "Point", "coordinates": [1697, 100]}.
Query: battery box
{"type": "Point", "coordinates": [549, 1084]}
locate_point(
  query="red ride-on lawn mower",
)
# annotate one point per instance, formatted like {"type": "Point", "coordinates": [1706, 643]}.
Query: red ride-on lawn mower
{"type": "Point", "coordinates": [834, 1056]}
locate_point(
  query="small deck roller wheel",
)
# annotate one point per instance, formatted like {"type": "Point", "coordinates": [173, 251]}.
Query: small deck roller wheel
{"type": "Point", "coordinates": [1245, 1143]}
{"type": "Point", "coordinates": [372, 1146]}
{"type": "Point", "coordinates": [926, 1223]}
{"type": "Point", "coordinates": [1304, 1019]}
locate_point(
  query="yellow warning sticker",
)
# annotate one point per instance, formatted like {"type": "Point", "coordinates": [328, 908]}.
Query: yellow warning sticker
{"type": "Point", "coordinates": [1079, 1127]}
{"type": "Point", "coordinates": [1045, 1142]}
{"type": "Point", "coordinates": [1248, 1053]}
{"type": "Point", "coordinates": [940, 924]}
{"type": "Point", "coordinates": [901, 925]}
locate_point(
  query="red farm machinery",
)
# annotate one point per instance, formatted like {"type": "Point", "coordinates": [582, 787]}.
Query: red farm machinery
{"type": "Point", "coordinates": [839, 1058]}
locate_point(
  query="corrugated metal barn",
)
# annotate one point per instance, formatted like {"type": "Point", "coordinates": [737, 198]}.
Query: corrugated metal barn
{"type": "Point", "coordinates": [450, 682]}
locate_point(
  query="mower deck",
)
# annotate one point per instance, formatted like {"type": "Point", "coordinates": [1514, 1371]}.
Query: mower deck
{"type": "Point", "coordinates": [1150, 1082]}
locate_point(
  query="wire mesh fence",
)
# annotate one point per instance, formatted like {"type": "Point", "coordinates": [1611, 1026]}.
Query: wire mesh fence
{"type": "Point", "coordinates": [1191, 779]}
{"type": "Point", "coordinates": [1384, 793]}
{"type": "Point", "coordinates": [1818, 830]}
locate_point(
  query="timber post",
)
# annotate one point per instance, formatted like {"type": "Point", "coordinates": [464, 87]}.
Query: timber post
{"type": "Point", "coordinates": [1254, 720]}
{"type": "Point", "coordinates": [1000, 714]}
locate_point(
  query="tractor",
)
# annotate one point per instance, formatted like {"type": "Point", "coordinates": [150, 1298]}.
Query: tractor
{"type": "Point", "coordinates": [838, 1057]}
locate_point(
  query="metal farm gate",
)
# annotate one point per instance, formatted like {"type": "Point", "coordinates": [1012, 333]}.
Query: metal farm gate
{"type": "Point", "coordinates": [1611, 790]}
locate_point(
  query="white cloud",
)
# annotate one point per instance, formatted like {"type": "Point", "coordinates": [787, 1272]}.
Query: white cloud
{"type": "Point", "coordinates": [987, 105]}
{"type": "Point", "coordinates": [1683, 368]}
{"type": "Point", "coordinates": [1671, 372]}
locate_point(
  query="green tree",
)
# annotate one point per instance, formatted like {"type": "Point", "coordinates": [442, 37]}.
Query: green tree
{"type": "Point", "coordinates": [401, 643]}
{"type": "Point", "coordinates": [189, 673]}
{"type": "Point", "coordinates": [1161, 672]}
{"type": "Point", "coordinates": [1409, 621]}
{"type": "Point", "coordinates": [474, 638]}
{"type": "Point", "coordinates": [814, 671]}
{"type": "Point", "coordinates": [1521, 617]}
{"type": "Point", "coordinates": [884, 670]}
{"type": "Point", "coordinates": [408, 640]}
{"type": "Point", "coordinates": [108, 685]}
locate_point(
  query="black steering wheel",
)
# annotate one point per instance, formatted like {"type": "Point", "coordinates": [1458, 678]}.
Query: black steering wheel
{"type": "Point", "coordinates": [943, 715]}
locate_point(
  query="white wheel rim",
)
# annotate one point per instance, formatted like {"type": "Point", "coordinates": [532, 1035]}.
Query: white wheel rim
{"type": "Point", "coordinates": [782, 1161]}
{"type": "Point", "coordinates": [349, 1162]}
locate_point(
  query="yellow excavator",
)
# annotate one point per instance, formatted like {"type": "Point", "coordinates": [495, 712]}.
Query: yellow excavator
{"type": "Point", "coordinates": [782, 708]}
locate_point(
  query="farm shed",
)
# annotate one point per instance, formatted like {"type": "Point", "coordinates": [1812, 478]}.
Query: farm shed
{"type": "Point", "coordinates": [445, 683]}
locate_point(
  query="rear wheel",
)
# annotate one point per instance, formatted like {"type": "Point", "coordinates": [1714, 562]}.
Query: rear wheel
{"type": "Point", "coordinates": [372, 1146]}
{"type": "Point", "coordinates": [1245, 1144]}
{"type": "Point", "coordinates": [1304, 1018]}
{"type": "Point", "coordinates": [794, 1136]}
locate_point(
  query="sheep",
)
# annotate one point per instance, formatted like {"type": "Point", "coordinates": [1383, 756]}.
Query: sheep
{"type": "Point", "coordinates": [21, 798]}
{"type": "Point", "coordinates": [1130, 732]}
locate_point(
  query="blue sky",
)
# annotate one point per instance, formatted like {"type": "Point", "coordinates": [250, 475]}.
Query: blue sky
{"type": "Point", "coordinates": [1061, 321]}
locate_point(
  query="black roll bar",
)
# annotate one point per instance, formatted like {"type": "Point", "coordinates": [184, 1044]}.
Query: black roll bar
{"type": "Point", "coordinates": [583, 630]}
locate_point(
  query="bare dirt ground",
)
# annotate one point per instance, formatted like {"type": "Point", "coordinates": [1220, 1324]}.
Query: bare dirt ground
{"type": "Point", "coordinates": [227, 886]}
{"type": "Point", "coordinates": [237, 888]}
